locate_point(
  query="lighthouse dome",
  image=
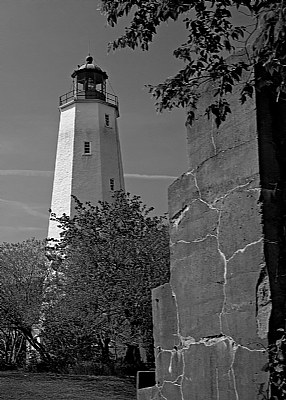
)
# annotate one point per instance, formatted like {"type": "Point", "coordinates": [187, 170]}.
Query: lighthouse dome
{"type": "Point", "coordinates": [91, 67]}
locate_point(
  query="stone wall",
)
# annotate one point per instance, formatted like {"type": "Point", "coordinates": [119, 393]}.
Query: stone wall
{"type": "Point", "coordinates": [211, 320]}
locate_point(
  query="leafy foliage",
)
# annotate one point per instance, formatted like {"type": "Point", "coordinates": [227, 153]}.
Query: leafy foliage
{"type": "Point", "coordinates": [12, 348]}
{"type": "Point", "coordinates": [277, 368]}
{"type": "Point", "coordinates": [213, 35]}
{"type": "Point", "coordinates": [23, 271]}
{"type": "Point", "coordinates": [111, 255]}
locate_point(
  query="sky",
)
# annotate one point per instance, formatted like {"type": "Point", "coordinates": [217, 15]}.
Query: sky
{"type": "Point", "coordinates": [41, 43]}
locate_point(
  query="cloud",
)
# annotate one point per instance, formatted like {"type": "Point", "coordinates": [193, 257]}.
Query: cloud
{"type": "Point", "coordinates": [25, 207]}
{"type": "Point", "coordinates": [25, 172]}
{"type": "Point", "coordinates": [143, 176]}
{"type": "Point", "coordinates": [48, 174]}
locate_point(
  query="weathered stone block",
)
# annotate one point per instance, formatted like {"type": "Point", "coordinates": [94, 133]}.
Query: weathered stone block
{"type": "Point", "coordinates": [171, 391]}
{"type": "Point", "coordinates": [199, 221]}
{"type": "Point", "coordinates": [164, 318]}
{"type": "Point", "coordinates": [181, 193]}
{"type": "Point", "coordinates": [208, 370]}
{"type": "Point", "coordinates": [251, 381]}
{"type": "Point", "coordinates": [150, 393]}
{"type": "Point", "coordinates": [235, 132]}
{"type": "Point", "coordinates": [169, 366]}
{"type": "Point", "coordinates": [205, 140]}
{"type": "Point", "coordinates": [238, 210]}
{"type": "Point", "coordinates": [239, 316]}
{"type": "Point", "coordinates": [197, 281]}
{"type": "Point", "coordinates": [228, 170]}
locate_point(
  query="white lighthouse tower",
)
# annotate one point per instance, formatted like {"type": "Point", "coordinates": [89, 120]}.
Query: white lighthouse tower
{"type": "Point", "coordinates": [88, 160]}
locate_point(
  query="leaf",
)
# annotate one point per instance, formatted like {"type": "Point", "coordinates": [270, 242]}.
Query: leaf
{"type": "Point", "coordinates": [246, 92]}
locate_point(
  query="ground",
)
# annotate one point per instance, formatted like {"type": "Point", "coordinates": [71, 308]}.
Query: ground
{"type": "Point", "coordinates": [31, 386]}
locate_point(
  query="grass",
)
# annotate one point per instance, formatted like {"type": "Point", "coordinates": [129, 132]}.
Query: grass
{"type": "Point", "coordinates": [31, 386]}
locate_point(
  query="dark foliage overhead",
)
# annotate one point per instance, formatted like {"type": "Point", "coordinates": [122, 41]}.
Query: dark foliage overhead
{"type": "Point", "coordinates": [212, 36]}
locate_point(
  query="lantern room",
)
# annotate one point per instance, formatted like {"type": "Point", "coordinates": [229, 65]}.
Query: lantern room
{"type": "Point", "coordinates": [90, 80]}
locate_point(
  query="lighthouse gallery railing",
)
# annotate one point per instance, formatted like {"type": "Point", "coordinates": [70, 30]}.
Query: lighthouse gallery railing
{"type": "Point", "coordinates": [83, 95]}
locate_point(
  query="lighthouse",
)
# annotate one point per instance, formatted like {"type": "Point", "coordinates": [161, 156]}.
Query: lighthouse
{"type": "Point", "coordinates": [88, 160]}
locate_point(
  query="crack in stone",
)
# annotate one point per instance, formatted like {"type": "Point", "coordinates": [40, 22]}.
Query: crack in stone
{"type": "Point", "coordinates": [165, 398]}
{"type": "Point", "coordinates": [170, 365]}
{"type": "Point", "coordinates": [224, 151]}
{"type": "Point", "coordinates": [217, 384]}
{"type": "Point", "coordinates": [203, 238]}
{"type": "Point", "coordinates": [173, 382]}
{"type": "Point", "coordinates": [217, 199]}
{"type": "Point", "coordinates": [177, 311]}
{"type": "Point", "coordinates": [213, 340]}
{"type": "Point", "coordinates": [242, 186]}
{"type": "Point", "coordinates": [179, 216]}
{"type": "Point", "coordinates": [258, 190]}
{"type": "Point", "coordinates": [183, 375]}
{"type": "Point", "coordinates": [186, 342]}
{"type": "Point", "coordinates": [234, 350]}
{"type": "Point", "coordinates": [251, 350]}
{"type": "Point", "coordinates": [242, 250]}
{"type": "Point", "coordinates": [212, 136]}
{"type": "Point", "coordinates": [208, 235]}
{"type": "Point", "coordinates": [180, 377]}
{"type": "Point", "coordinates": [223, 287]}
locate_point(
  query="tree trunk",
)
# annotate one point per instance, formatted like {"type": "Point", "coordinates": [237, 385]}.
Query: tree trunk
{"type": "Point", "coordinates": [40, 349]}
{"type": "Point", "coordinates": [132, 355]}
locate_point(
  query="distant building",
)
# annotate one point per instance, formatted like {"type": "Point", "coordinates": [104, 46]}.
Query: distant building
{"type": "Point", "coordinates": [88, 160]}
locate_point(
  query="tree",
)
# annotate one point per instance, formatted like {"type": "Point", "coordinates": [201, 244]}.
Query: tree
{"type": "Point", "coordinates": [12, 347]}
{"type": "Point", "coordinates": [215, 32]}
{"type": "Point", "coordinates": [112, 256]}
{"type": "Point", "coordinates": [23, 272]}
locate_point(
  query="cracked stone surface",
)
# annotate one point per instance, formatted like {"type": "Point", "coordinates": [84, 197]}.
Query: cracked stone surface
{"type": "Point", "coordinates": [211, 320]}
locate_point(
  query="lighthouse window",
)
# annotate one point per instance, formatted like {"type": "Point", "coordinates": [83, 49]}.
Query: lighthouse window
{"type": "Point", "coordinates": [87, 148]}
{"type": "Point", "coordinates": [107, 120]}
{"type": "Point", "coordinates": [90, 84]}
{"type": "Point", "coordinates": [111, 184]}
